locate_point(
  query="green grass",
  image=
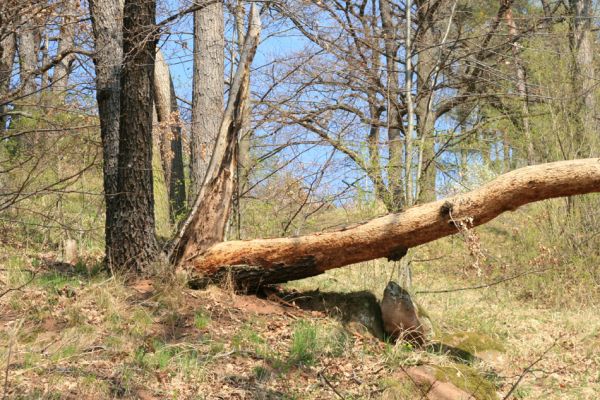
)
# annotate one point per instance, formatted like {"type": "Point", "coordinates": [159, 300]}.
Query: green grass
{"type": "Point", "coordinates": [201, 320]}
{"type": "Point", "coordinates": [305, 346]}
{"type": "Point", "coordinates": [467, 379]}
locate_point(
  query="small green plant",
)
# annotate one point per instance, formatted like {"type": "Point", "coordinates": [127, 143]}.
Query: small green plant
{"type": "Point", "coordinates": [201, 320]}
{"type": "Point", "coordinates": [261, 373]}
{"type": "Point", "coordinates": [140, 321]}
{"type": "Point", "coordinates": [248, 339]}
{"type": "Point", "coordinates": [402, 353]}
{"type": "Point", "coordinates": [305, 345]}
{"type": "Point", "coordinates": [522, 392]}
{"type": "Point", "coordinates": [65, 352]}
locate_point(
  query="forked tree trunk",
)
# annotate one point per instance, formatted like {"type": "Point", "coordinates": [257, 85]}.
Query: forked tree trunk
{"type": "Point", "coordinates": [250, 264]}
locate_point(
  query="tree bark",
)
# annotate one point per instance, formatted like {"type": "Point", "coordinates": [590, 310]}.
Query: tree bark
{"type": "Point", "coordinates": [253, 263]}
{"type": "Point", "coordinates": [394, 167]}
{"type": "Point", "coordinates": [7, 57]}
{"type": "Point", "coordinates": [521, 86]}
{"type": "Point", "coordinates": [427, 76]}
{"type": "Point", "coordinates": [208, 218]}
{"type": "Point", "coordinates": [245, 135]}
{"type": "Point", "coordinates": [62, 70]}
{"type": "Point", "coordinates": [28, 44]}
{"type": "Point", "coordinates": [135, 248]}
{"type": "Point", "coordinates": [171, 149]}
{"type": "Point", "coordinates": [107, 17]}
{"type": "Point", "coordinates": [207, 92]}
{"type": "Point", "coordinates": [582, 42]}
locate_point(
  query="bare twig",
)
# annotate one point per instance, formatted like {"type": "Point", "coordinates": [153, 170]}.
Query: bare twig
{"type": "Point", "coordinates": [486, 285]}
{"type": "Point", "coordinates": [321, 375]}
{"type": "Point", "coordinates": [18, 288]}
{"type": "Point", "coordinates": [528, 369]}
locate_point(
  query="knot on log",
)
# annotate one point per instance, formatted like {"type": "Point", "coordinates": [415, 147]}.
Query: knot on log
{"type": "Point", "coordinates": [446, 209]}
{"type": "Point", "coordinates": [397, 253]}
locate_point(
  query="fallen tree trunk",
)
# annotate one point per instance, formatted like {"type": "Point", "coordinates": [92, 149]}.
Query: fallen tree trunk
{"type": "Point", "coordinates": [252, 263]}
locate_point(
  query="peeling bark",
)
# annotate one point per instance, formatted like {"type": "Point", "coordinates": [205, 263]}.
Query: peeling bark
{"type": "Point", "coordinates": [206, 223]}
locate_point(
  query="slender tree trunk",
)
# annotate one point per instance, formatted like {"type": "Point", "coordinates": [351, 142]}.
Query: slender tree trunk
{"type": "Point", "coordinates": [7, 57]}
{"type": "Point", "coordinates": [244, 160]}
{"type": "Point", "coordinates": [394, 167]}
{"type": "Point", "coordinates": [62, 70]}
{"type": "Point", "coordinates": [107, 17]}
{"type": "Point", "coordinates": [207, 92]}
{"type": "Point", "coordinates": [171, 150]}
{"type": "Point", "coordinates": [28, 45]}
{"type": "Point", "coordinates": [45, 81]}
{"type": "Point", "coordinates": [410, 111]}
{"type": "Point", "coordinates": [521, 87]}
{"type": "Point", "coordinates": [253, 263]}
{"type": "Point", "coordinates": [135, 248]}
{"type": "Point", "coordinates": [581, 40]}
{"type": "Point", "coordinates": [425, 47]}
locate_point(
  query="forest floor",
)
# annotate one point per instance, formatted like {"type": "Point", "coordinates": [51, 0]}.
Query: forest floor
{"type": "Point", "coordinates": [68, 336]}
{"type": "Point", "coordinates": [69, 332]}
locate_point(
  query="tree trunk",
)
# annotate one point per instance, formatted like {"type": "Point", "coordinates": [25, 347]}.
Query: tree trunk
{"type": "Point", "coordinates": [266, 261]}
{"type": "Point", "coordinates": [582, 41]}
{"type": "Point", "coordinates": [410, 111]}
{"type": "Point", "coordinates": [207, 92]}
{"type": "Point", "coordinates": [245, 135]}
{"type": "Point", "coordinates": [427, 76]}
{"type": "Point", "coordinates": [62, 70]}
{"type": "Point", "coordinates": [106, 24]}
{"type": "Point", "coordinates": [521, 87]}
{"type": "Point", "coordinates": [7, 57]}
{"type": "Point", "coordinates": [28, 43]}
{"type": "Point", "coordinates": [171, 150]}
{"type": "Point", "coordinates": [135, 248]}
{"type": "Point", "coordinates": [394, 167]}
{"type": "Point", "coordinates": [208, 218]}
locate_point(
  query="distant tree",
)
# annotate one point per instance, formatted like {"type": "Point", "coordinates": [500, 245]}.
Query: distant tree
{"type": "Point", "coordinates": [8, 47]}
{"type": "Point", "coordinates": [170, 136]}
{"type": "Point", "coordinates": [66, 41]}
